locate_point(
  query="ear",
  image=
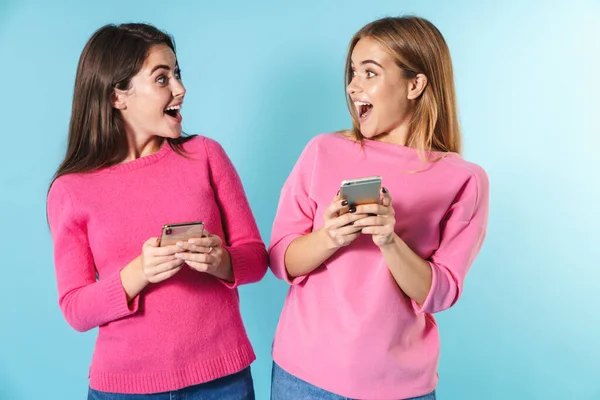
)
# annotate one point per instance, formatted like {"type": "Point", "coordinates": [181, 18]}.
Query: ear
{"type": "Point", "coordinates": [119, 99]}
{"type": "Point", "coordinates": [416, 86]}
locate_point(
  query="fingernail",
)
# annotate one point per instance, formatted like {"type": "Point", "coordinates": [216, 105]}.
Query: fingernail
{"type": "Point", "coordinates": [352, 209]}
{"type": "Point", "coordinates": [384, 190]}
{"type": "Point", "coordinates": [344, 203]}
{"type": "Point", "coordinates": [191, 241]}
{"type": "Point", "coordinates": [338, 193]}
{"type": "Point", "coordinates": [180, 244]}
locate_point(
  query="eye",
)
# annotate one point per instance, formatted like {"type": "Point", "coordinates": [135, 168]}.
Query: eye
{"type": "Point", "coordinates": [353, 73]}
{"type": "Point", "coordinates": [370, 74]}
{"type": "Point", "coordinates": [177, 74]}
{"type": "Point", "coordinates": [161, 79]}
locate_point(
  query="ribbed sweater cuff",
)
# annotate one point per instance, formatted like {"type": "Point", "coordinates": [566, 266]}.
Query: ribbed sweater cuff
{"type": "Point", "coordinates": [116, 298]}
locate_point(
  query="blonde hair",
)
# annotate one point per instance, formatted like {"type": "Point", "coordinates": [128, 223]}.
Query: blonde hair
{"type": "Point", "coordinates": [417, 47]}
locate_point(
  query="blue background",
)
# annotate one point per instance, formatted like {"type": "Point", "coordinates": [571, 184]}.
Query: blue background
{"type": "Point", "coordinates": [263, 77]}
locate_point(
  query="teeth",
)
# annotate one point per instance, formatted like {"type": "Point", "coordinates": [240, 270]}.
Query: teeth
{"type": "Point", "coordinates": [174, 107]}
{"type": "Point", "coordinates": [362, 107]}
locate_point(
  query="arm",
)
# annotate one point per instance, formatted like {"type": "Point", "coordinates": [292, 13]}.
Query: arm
{"type": "Point", "coordinates": [85, 302]}
{"type": "Point", "coordinates": [154, 265]}
{"type": "Point", "coordinates": [460, 244]}
{"type": "Point", "coordinates": [410, 271]}
{"type": "Point", "coordinates": [435, 284]}
{"type": "Point", "coordinates": [244, 248]}
{"type": "Point", "coordinates": [133, 279]}
{"type": "Point", "coordinates": [294, 221]}
{"type": "Point", "coordinates": [462, 234]}
{"type": "Point", "coordinates": [306, 253]}
{"type": "Point", "coordinates": [296, 250]}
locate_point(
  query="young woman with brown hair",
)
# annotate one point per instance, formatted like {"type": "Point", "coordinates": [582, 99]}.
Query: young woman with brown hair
{"type": "Point", "coordinates": [168, 316]}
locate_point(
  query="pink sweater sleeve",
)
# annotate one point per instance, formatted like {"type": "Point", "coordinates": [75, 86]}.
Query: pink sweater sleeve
{"type": "Point", "coordinates": [462, 235]}
{"type": "Point", "coordinates": [85, 302]}
{"type": "Point", "coordinates": [295, 213]}
{"type": "Point", "coordinates": [242, 238]}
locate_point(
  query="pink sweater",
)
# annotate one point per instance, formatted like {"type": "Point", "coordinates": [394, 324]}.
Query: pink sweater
{"type": "Point", "coordinates": [347, 327]}
{"type": "Point", "coordinates": [180, 332]}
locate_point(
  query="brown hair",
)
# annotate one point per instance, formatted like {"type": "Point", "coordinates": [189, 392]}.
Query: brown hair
{"type": "Point", "coordinates": [112, 56]}
{"type": "Point", "coordinates": [418, 47]}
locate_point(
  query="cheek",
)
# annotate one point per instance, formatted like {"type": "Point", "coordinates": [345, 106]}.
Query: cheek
{"type": "Point", "coordinates": [152, 99]}
{"type": "Point", "coordinates": [391, 99]}
{"type": "Point", "coordinates": [384, 97]}
{"type": "Point", "coordinates": [374, 92]}
{"type": "Point", "coordinates": [387, 94]}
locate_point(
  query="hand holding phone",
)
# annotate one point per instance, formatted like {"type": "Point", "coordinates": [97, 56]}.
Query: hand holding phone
{"type": "Point", "coordinates": [338, 223]}
{"type": "Point", "coordinates": [159, 263]}
{"type": "Point", "coordinates": [380, 221]}
{"type": "Point", "coordinates": [207, 255]}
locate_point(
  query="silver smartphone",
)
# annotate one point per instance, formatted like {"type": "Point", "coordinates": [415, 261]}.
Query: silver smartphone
{"type": "Point", "coordinates": [361, 191]}
{"type": "Point", "coordinates": [173, 233]}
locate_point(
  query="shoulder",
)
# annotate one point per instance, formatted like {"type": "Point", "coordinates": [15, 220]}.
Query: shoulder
{"type": "Point", "coordinates": [194, 144]}
{"type": "Point", "coordinates": [59, 201]}
{"type": "Point", "coordinates": [201, 147]}
{"type": "Point", "coordinates": [330, 138]}
{"type": "Point", "coordinates": [65, 185]}
{"type": "Point", "coordinates": [470, 179]}
{"type": "Point", "coordinates": [327, 141]}
{"type": "Point", "coordinates": [471, 170]}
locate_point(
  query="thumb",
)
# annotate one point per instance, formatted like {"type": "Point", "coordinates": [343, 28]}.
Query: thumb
{"type": "Point", "coordinates": [152, 242]}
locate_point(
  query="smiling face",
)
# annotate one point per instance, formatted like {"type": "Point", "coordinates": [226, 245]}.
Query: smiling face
{"type": "Point", "coordinates": [379, 91]}
{"type": "Point", "coordinates": [151, 105]}
{"type": "Point", "coordinates": [383, 94]}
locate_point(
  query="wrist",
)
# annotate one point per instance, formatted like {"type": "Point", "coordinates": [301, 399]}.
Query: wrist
{"type": "Point", "coordinates": [225, 269]}
{"type": "Point", "coordinates": [326, 239]}
{"type": "Point", "coordinates": [133, 279]}
{"type": "Point", "coordinates": [136, 269]}
{"type": "Point", "coordinates": [392, 243]}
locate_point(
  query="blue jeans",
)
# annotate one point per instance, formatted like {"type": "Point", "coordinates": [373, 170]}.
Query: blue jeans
{"type": "Point", "coordinates": [238, 386]}
{"type": "Point", "coordinates": [285, 386]}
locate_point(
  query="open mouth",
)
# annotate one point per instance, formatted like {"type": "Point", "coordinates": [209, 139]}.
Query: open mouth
{"type": "Point", "coordinates": [173, 112]}
{"type": "Point", "coordinates": [363, 109]}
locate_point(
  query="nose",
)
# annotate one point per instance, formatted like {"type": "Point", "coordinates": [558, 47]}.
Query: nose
{"type": "Point", "coordinates": [353, 87]}
{"type": "Point", "coordinates": [178, 89]}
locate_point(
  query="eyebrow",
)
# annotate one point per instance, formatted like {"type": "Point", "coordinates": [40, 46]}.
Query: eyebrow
{"type": "Point", "coordinates": [371, 62]}
{"type": "Point", "coordinates": [159, 67]}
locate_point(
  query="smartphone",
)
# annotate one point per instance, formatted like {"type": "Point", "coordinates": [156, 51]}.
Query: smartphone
{"type": "Point", "coordinates": [361, 191]}
{"type": "Point", "coordinates": [173, 233]}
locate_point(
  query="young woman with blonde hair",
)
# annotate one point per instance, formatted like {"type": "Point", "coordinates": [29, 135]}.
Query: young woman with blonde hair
{"type": "Point", "coordinates": [366, 279]}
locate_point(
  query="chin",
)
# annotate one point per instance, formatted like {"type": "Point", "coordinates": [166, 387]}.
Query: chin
{"type": "Point", "coordinates": [369, 133]}
{"type": "Point", "coordinates": [171, 135]}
